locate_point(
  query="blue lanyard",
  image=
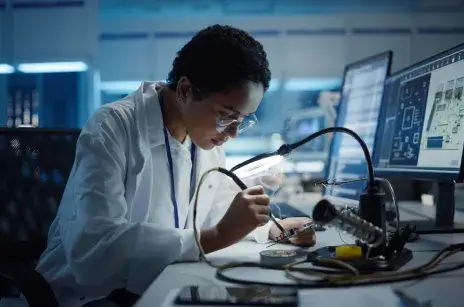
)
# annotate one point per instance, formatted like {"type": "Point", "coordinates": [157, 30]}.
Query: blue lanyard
{"type": "Point", "coordinates": [171, 169]}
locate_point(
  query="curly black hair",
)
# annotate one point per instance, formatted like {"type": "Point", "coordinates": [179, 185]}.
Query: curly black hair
{"type": "Point", "coordinates": [221, 58]}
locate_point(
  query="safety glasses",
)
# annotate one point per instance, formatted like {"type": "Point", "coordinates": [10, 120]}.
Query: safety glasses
{"type": "Point", "coordinates": [241, 124]}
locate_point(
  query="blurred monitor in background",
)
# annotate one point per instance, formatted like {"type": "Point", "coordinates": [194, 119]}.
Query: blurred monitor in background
{"type": "Point", "coordinates": [310, 159]}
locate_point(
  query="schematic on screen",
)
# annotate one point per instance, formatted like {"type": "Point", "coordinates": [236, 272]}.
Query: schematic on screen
{"type": "Point", "coordinates": [422, 123]}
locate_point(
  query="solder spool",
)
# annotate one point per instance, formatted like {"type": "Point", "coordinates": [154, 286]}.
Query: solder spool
{"type": "Point", "coordinates": [277, 257]}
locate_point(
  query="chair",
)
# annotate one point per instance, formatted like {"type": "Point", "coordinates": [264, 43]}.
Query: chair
{"type": "Point", "coordinates": [34, 168]}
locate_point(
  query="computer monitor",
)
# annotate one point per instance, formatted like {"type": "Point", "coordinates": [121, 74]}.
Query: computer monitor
{"type": "Point", "coordinates": [362, 90]}
{"type": "Point", "coordinates": [302, 124]}
{"type": "Point", "coordinates": [421, 130]}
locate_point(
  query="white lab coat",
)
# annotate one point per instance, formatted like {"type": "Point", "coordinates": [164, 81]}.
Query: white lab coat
{"type": "Point", "coordinates": [115, 224]}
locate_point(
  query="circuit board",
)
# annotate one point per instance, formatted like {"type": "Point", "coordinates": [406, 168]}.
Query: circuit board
{"type": "Point", "coordinates": [285, 237]}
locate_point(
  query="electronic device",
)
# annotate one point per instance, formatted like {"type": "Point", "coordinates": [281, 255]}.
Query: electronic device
{"type": "Point", "coordinates": [302, 124]}
{"type": "Point", "coordinates": [421, 131]}
{"type": "Point", "coordinates": [362, 90]}
{"type": "Point", "coordinates": [237, 296]}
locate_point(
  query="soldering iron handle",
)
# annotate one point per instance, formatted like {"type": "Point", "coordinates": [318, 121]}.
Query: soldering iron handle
{"type": "Point", "coordinates": [234, 178]}
{"type": "Point", "coordinates": [244, 187]}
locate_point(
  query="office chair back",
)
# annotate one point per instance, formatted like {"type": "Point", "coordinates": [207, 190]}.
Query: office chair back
{"type": "Point", "coordinates": [34, 168]}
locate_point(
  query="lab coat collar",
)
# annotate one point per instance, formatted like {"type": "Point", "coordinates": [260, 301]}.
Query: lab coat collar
{"type": "Point", "coordinates": [149, 118]}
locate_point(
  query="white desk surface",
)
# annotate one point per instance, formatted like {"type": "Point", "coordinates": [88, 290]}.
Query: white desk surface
{"type": "Point", "coordinates": [444, 290]}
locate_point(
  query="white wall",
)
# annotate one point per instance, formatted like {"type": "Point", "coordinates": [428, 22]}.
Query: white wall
{"type": "Point", "coordinates": [298, 46]}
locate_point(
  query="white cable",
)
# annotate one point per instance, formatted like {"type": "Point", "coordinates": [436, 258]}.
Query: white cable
{"type": "Point", "coordinates": [392, 193]}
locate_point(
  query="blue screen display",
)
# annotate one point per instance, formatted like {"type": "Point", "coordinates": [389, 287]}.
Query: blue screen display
{"type": "Point", "coordinates": [300, 128]}
{"type": "Point", "coordinates": [421, 124]}
{"type": "Point", "coordinates": [359, 110]}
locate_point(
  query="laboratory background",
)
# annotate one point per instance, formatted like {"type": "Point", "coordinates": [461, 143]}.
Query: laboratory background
{"type": "Point", "coordinates": [61, 60]}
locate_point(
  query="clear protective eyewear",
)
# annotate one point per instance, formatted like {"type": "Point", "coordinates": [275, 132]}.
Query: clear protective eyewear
{"type": "Point", "coordinates": [241, 124]}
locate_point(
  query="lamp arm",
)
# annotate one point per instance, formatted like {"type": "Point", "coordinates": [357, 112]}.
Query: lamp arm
{"type": "Point", "coordinates": [287, 148]}
{"type": "Point", "coordinates": [367, 156]}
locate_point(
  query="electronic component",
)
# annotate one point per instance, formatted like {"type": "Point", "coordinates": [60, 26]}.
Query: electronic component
{"type": "Point", "coordinates": [344, 252]}
{"type": "Point", "coordinates": [285, 237]}
{"type": "Point", "coordinates": [215, 295]}
{"type": "Point", "coordinates": [277, 257]}
{"type": "Point", "coordinates": [325, 213]}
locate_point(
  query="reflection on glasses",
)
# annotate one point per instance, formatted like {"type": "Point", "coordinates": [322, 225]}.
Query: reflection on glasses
{"type": "Point", "coordinates": [241, 124]}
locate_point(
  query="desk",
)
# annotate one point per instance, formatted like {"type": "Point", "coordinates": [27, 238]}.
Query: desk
{"type": "Point", "coordinates": [444, 290]}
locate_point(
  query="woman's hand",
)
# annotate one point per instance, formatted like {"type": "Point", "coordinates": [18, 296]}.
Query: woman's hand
{"type": "Point", "coordinates": [306, 239]}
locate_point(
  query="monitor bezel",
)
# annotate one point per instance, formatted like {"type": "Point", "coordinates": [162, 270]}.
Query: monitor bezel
{"type": "Point", "coordinates": [388, 54]}
{"type": "Point", "coordinates": [418, 175]}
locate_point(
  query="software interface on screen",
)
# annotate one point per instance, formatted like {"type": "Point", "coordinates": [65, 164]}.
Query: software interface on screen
{"type": "Point", "coordinates": [359, 109]}
{"type": "Point", "coordinates": [421, 125]}
{"type": "Point", "coordinates": [303, 127]}
{"type": "Point", "coordinates": [302, 124]}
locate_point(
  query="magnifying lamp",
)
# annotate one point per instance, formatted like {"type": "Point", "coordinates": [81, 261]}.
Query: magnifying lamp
{"type": "Point", "coordinates": [265, 161]}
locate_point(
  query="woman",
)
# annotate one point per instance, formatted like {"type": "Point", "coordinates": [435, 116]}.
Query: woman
{"type": "Point", "coordinates": [125, 213]}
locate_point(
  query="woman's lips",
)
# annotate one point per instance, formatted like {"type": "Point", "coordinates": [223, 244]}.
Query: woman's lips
{"type": "Point", "coordinates": [217, 142]}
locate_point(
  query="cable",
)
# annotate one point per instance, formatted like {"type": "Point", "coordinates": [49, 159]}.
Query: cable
{"type": "Point", "coordinates": [367, 156]}
{"type": "Point", "coordinates": [393, 196]}
{"type": "Point", "coordinates": [348, 276]}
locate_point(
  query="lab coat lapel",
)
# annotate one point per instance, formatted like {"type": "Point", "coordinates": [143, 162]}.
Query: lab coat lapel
{"type": "Point", "coordinates": [205, 160]}
{"type": "Point", "coordinates": [149, 125]}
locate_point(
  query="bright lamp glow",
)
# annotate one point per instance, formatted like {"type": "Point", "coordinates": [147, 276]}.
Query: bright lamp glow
{"type": "Point", "coordinates": [119, 87]}
{"type": "Point", "coordinates": [6, 69]}
{"type": "Point", "coordinates": [52, 67]}
{"type": "Point", "coordinates": [311, 84]}
{"type": "Point", "coordinates": [258, 166]}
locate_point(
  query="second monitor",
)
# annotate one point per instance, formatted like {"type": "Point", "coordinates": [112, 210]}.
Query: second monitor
{"type": "Point", "coordinates": [363, 85]}
{"type": "Point", "coordinates": [421, 130]}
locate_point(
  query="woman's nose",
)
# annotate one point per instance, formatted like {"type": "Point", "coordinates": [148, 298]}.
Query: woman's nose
{"type": "Point", "coordinates": [231, 131]}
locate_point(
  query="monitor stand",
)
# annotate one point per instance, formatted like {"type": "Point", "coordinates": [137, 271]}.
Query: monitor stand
{"type": "Point", "coordinates": [444, 213]}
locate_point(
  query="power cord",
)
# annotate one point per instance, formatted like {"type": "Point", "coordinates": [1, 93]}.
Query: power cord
{"type": "Point", "coordinates": [347, 276]}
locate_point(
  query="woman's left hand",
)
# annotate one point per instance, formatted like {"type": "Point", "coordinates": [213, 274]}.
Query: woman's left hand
{"type": "Point", "coordinates": [306, 239]}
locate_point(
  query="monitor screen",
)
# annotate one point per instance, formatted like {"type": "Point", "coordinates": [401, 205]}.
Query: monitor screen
{"type": "Point", "coordinates": [421, 129]}
{"type": "Point", "coordinates": [303, 124]}
{"type": "Point", "coordinates": [358, 110]}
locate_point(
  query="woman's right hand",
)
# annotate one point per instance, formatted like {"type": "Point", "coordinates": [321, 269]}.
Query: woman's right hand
{"type": "Point", "coordinates": [248, 210]}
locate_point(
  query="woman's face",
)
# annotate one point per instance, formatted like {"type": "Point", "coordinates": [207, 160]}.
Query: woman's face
{"type": "Point", "coordinates": [201, 115]}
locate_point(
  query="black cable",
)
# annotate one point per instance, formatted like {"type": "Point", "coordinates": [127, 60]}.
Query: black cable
{"type": "Point", "coordinates": [233, 177]}
{"type": "Point", "coordinates": [287, 148]}
{"type": "Point", "coordinates": [367, 156]}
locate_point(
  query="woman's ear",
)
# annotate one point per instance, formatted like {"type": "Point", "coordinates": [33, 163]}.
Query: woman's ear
{"type": "Point", "coordinates": [182, 89]}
